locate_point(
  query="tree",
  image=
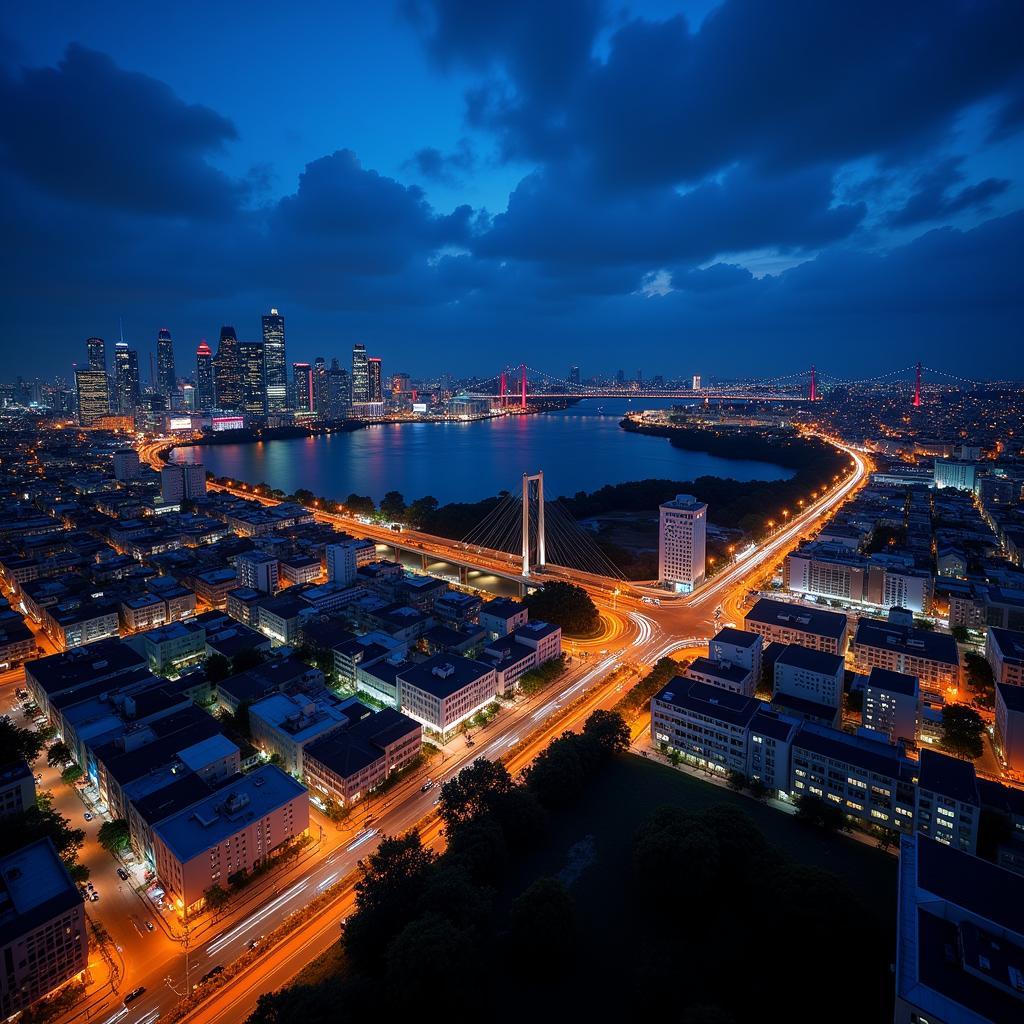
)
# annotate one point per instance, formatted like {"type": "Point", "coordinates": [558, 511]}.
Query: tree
{"type": "Point", "coordinates": [71, 774]}
{"type": "Point", "coordinates": [360, 504]}
{"type": "Point", "coordinates": [473, 791]}
{"type": "Point", "coordinates": [823, 814]}
{"type": "Point", "coordinates": [245, 660]}
{"type": "Point", "coordinates": [217, 667]}
{"type": "Point", "coordinates": [980, 677]}
{"type": "Point", "coordinates": [426, 950]}
{"type": "Point", "coordinates": [420, 510]}
{"type": "Point", "coordinates": [216, 897]}
{"type": "Point", "coordinates": [18, 744]}
{"type": "Point", "coordinates": [565, 605]}
{"type": "Point", "coordinates": [42, 822]}
{"type": "Point", "coordinates": [758, 790]}
{"type": "Point", "coordinates": [735, 780]}
{"type": "Point", "coordinates": [557, 775]}
{"type": "Point", "coordinates": [542, 928]}
{"type": "Point", "coordinates": [59, 755]}
{"type": "Point", "coordinates": [961, 634]}
{"type": "Point", "coordinates": [608, 730]}
{"type": "Point", "coordinates": [392, 505]}
{"type": "Point", "coordinates": [115, 836]}
{"type": "Point", "coordinates": [962, 728]}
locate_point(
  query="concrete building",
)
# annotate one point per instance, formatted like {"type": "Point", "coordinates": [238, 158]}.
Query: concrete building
{"type": "Point", "coordinates": [258, 570]}
{"type": "Point", "coordinates": [345, 557]}
{"type": "Point", "coordinates": [738, 647]}
{"type": "Point", "coordinates": [954, 473]}
{"type": "Point", "coordinates": [723, 674]}
{"type": "Point", "coordinates": [502, 616]}
{"type": "Point", "coordinates": [543, 637]}
{"type": "Point", "coordinates": [173, 648]}
{"type": "Point", "coordinates": [93, 396]}
{"type": "Point", "coordinates": [184, 482]}
{"type": "Point", "coordinates": [43, 936]}
{"type": "Point", "coordinates": [213, 585]}
{"type": "Point", "coordinates": [784, 623]}
{"type": "Point", "coordinates": [229, 832]}
{"type": "Point", "coordinates": [126, 464]}
{"type": "Point", "coordinates": [769, 747]}
{"type": "Point", "coordinates": [932, 657]}
{"type": "Point", "coordinates": [445, 690]}
{"type": "Point", "coordinates": [891, 701]}
{"type": "Point", "coordinates": [280, 618]}
{"type": "Point", "coordinates": [811, 675]}
{"type": "Point", "coordinates": [17, 789]}
{"type": "Point", "coordinates": [948, 804]}
{"type": "Point", "coordinates": [1009, 734]}
{"type": "Point", "coordinates": [284, 724]}
{"type": "Point", "coordinates": [1004, 650]}
{"type": "Point", "coordinates": [682, 533]}
{"type": "Point", "coordinates": [960, 937]}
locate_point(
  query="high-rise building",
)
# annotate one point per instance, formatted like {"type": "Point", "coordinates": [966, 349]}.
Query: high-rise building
{"type": "Point", "coordinates": [338, 391]}
{"type": "Point", "coordinates": [303, 393]}
{"type": "Point", "coordinates": [166, 378]}
{"type": "Point", "coordinates": [320, 388]}
{"type": "Point", "coordinates": [180, 482]}
{"type": "Point", "coordinates": [254, 387]}
{"type": "Point", "coordinates": [696, 382]}
{"type": "Point", "coordinates": [97, 354]}
{"type": "Point", "coordinates": [360, 375]}
{"type": "Point", "coordinates": [126, 375]}
{"type": "Point", "coordinates": [620, 376]}
{"type": "Point", "coordinates": [401, 384]}
{"type": "Point", "coordinates": [681, 543]}
{"type": "Point", "coordinates": [574, 376]}
{"type": "Point", "coordinates": [227, 371]}
{"type": "Point", "coordinates": [274, 361]}
{"type": "Point", "coordinates": [376, 387]}
{"type": "Point", "coordinates": [204, 377]}
{"type": "Point", "coordinates": [93, 396]}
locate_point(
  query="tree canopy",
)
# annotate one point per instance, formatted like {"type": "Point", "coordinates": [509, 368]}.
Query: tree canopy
{"type": "Point", "coordinates": [962, 729]}
{"type": "Point", "coordinates": [17, 743]}
{"type": "Point", "coordinates": [565, 605]}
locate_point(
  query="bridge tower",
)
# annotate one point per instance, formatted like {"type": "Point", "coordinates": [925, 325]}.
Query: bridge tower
{"type": "Point", "coordinates": [814, 384]}
{"type": "Point", "coordinates": [917, 388]}
{"type": "Point", "coordinates": [522, 367]}
{"type": "Point", "coordinates": [529, 480]}
{"type": "Point", "coordinates": [502, 390]}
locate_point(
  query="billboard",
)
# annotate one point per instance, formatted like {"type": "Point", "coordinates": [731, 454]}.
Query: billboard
{"type": "Point", "coordinates": [180, 423]}
{"type": "Point", "coordinates": [419, 406]}
{"type": "Point", "coordinates": [227, 422]}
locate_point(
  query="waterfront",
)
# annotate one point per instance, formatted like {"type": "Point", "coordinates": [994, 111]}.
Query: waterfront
{"type": "Point", "coordinates": [579, 449]}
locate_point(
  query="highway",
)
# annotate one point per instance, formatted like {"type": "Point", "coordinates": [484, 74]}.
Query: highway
{"type": "Point", "coordinates": [635, 635]}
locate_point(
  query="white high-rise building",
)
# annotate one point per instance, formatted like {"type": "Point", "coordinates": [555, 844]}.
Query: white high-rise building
{"type": "Point", "coordinates": [696, 382]}
{"type": "Point", "coordinates": [341, 563]}
{"type": "Point", "coordinates": [681, 543]}
{"type": "Point", "coordinates": [181, 482]}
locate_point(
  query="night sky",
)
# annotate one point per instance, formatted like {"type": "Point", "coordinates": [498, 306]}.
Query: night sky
{"type": "Point", "coordinates": [734, 188]}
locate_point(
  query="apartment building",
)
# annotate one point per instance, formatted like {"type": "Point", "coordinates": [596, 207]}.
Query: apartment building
{"type": "Point", "coordinates": [445, 690]}
{"type": "Point", "coordinates": [723, 674]}
{"type": "Point", "coordinates": [1004, 650]}
{"type": "Point", "coordinates": [502, 616]}
{"type": "Point", "coordinates": [948, 804]}
{"type": "Point", "coordinates": [932, 657]}
{"type": "Point", "coordinates": [1009, 735]}
{"type": "Point", "coordinates": [784, 623]}
{"type": "Point", "coordinates": [891, 704]}
{"type": "Point", "coordinates": [738, 647]}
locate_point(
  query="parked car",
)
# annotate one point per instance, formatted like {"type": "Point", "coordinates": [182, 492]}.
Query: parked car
{"type": "Point", "coordinates": [122, 874]}
{"type": "Point", "coordinates": [87, 816]}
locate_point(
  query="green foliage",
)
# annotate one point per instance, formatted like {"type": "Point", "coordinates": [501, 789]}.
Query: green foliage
{"type": "Point", "coordinates": [639, 696]}
{"type": "Point", "coordinates": [543, 675]}
{"type": "Point", "coordinates": [565, 605]}
{"type": "Point", "coordinates": [962, 729]}
{"type": "Point", "coordinates": [360, 505]}
{"type": "Point", "coordinates": [115, 836]}
{"type": "Point", "coordinates": [217, 668]}
{"type": "Point", "coordinates": [474, 791]}
{"type": "Point", "coordinates": [426, 949]}
{"type": "Point", "coordinates": [421, 510]}
{"type": "Point", "coordinates": [59, 755]}
{"type": "Point", "coordinates": [542, 929]}
{"type": "Point", "coordinates": [961, 634]}
{"type": "Point", "coordinates": [51, 1007]}
{"type": "Point", "coordinates": [736, 781]}
{"type": "Point", "coordinates": [820, 813]}
{"type": "Point", "coordinates": [71, 774]}
{"type": "Point", "coordinates": [980, 677]}
{"type": "Point", "coordinates": [608, 730]}
{"type": "Point", "coordinates": [392, 505]}
{"type": "Point", "coordinates": [17, 743]}
{"type": "Point", "coordinates": [42, 822]}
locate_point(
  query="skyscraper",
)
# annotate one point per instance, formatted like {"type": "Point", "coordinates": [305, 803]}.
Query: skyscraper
{"type": "Point", "coordinates": [376, 388]}
{"type": "Point", "coordinates": [320, 388]}
{"type": "Point", "coordinates": [360, 375]}
{"type": "Point", "coordinates": [166, 379]}
{"type": "Point", "coordinates": [254, 386]}
{"type": "Point", "coordinates": [681, 543]}
{"type": "Point", "coordinates": [126, 374]}
{"type": "Point", "coordinates": [302, 387]}
{"type": "Point", "coordinates": [338, 392]}
{"type": "Point", "coordinates": [204, 377]}
{"type": "Point", "coordinates": [92, 394]}
{"type": "Point", "coordinates": [97, 354]}
{"type": "Point", "coordinates": [227, 371]}
{"type": "Point", "coordinates": [276, 368]}
{"type": "Point", "coordinates": [574, 376]}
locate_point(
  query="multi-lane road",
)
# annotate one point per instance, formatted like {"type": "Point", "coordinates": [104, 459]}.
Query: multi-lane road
{"type": "Point", "coordinates": [635, 635]}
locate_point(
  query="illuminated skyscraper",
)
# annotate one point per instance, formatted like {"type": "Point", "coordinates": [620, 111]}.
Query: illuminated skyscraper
{"type": "Point", "coordinates": [204, 377]}
{"type": "Point", "coordinates": [166, 379]}
{"type": "Point", "coordinates": [227, 371]}
{"type": "Point", "coordinates": [376, 388]}
{"type": "Point", "coordinates": [681, 543]}
{"type": "Point", "coordinates": [93, 397]}
{"type": "Point", "coordinates": [360, 375]}
{"type": "Point", "coordinates": [97, 354]}
{"type": "Point", "coordinates": [126, 375]}
{"type": "Point", "coordinates": [338, 392]}
{"type": "Point", "coordinates": [304, 398]}
{"type": "Point", "coordinates": [320, 388]}
{"type": "Point", "coordinates": [254, 385]}
{"type": "Point", "coordinates": [275, 366]}
{"type": "Point", "coordinates": [574, 376]}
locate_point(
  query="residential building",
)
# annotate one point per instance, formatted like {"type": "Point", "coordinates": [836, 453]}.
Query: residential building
{"type": "Point", "coordinates": [1009, 732]}
{"type": "Point", "coordinates": [723, 674]}
{"type": "Point", "coordinates": [738, 647]}
{"type": "Point", "coordinates": [769, 746]}
{"type": "Point", "coordinates": [182, 481]}
{"type": "Point", "coordinates": [932, 657]}
{"type": "Point", "coordinates": [228, 833]}
{"type": "Point", "coordinates": [284, 724]}
{"type": "Point", "coordinates": [172, 648]}
{"type": "Point", "coordinates": [681, 543]}
{"type": "Point", "coordinates": [43, 936]}
{"type": "Point", "coordinates": [784, 623]}
{"type": "Point", "coordinates": [1004, 650]}
{"type": "Point", "coordinates": [17, 789]}
{"type": "Point", "coordinates": [258, 570]}
{"type": "Point", "coordinates": [212, 586]}
{"type": "Point", "coordinates": [955, 473]}
{"type": "Point", "coordinates": [126, 464]}
{"type": "Point", "coordinates": [445, 690]}
{"type": "Point", "coordinates": [280, 618]}
{"type": "Point", "coordinates": [948, 804]}
{"type": "Point", "coordinates": [502, 616]}
{"type": "Point", "coordinates": [543, 637]}
{"type": "Point", "coordinates": [891, 703]}
{"type": "Point", "coordinates": [811, 675]}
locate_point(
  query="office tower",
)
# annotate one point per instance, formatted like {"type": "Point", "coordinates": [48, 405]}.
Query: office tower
{"type": "Point", "coordinates": [681, 540]}
{"type": "Point", "coordinates": [227, 371]}
{"type": "Point", "coordinates": [276, 368]}
{"type": "Point", "coordinates": [320, 388]}
{"type": "Point", "coordinates": [375, 387]}
{"type": "Point", "coordinates": [620, 376]}
{"type": "Point", "coordinates": [182, 482]}
{"type": "Point", "coordinates": [360, 375]}
{"type": "Point", "coordinates": [338, 391]}
{"type": "Point", "coordinates": [126, 376]}
{"type": "Point", "coordinates": [696, 382]}
{"type": "Point", "coordinates": [204, 377]}
{"type": "Point", "coordinates": [93, 396]}
{"type": "Point", "coordinates": [258, 570]}
{"type": "Point", "coordinates": [254, 387]}
{"type": "Point", "coordinates": [303, 395]}
{"type": "Point", "coordinates": [97, 354]}
{"type": "Point", "coordinates": [574, 376]}
{"type": "Point", "coordinates": [401, 384]}
{"type": "Point", "coordinates": [166, 379]}
{"type": "Point", "coordinates": [188, 397]}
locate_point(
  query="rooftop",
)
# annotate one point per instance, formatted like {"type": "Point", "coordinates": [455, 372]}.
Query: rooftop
{"type": "Point", "coordinates": [893, 682]}
{"type": "Point", "coordinates": [798, 656]}
{"type": "Point", "coordinates": [719, 669]}
{"type": "Point", "coordinates": [502, 608]}
{"type": "Point", "coordinates": [349, 750]}
{"type": "Point", "coordinates": [736, 637]}
{"type": "Point", "coordinates": [1012, 696]}
{"type": "Point", "coordinates": [948, 776]}
{"type": "Point", "coordinates": [444, 674]}
{"type": "Point", "coordinates": [918, 643]}
{"type": "Point", "coordinates": [705, 699]}
{"type": "Point", "coordinates": [797, 616]}
{"type": "Point", "coordinates": [34, 888]}
{"type": "Point", "coordinates": [1009, 642]}
{"type": "Point", "coordinates": [872, 755]}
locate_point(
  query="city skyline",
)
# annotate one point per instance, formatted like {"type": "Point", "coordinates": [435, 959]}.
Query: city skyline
{"type": "Point", "coordinates": [525, 198]}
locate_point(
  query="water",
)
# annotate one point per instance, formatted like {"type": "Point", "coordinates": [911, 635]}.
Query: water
{"type": "Point", "coordinates": [579, 449]}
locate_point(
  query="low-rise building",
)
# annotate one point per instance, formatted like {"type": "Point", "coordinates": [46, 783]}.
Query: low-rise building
{"type": "Point", "coordinates": [443, 691]}
{"type": "Point", "coordinates": [770, 741]}
{"type": "Point", "coordinates": [1009, 734]}
{"type": "Point", "coordinates": [285, 724]}
{"type": "Point", "coordinates": [948, 804]}
{"type": "Point", "coordinates": [738, 647]}
{"type": "Point", "coordinates": [811, 675]}
{"type": "Point", "coordinates": [142, 611]}
{"type": "Point", "coordinates": [723, 674]}
{"type": "Point", "coordinates": [258, 570]}
{"type": "Point", "coordinates": [891, 701]}
{"type": "Point", "coordinates": [212, 586]}
{"type": "Point", "coordinates": [543, 637]}
{"type": "Point", "coordinates": [1004, 650]}
{"type": "Point", "coordinates": [784, 623]}
{"type": "Point", "coordinates": [172, 648]}
{"type": "Point", "coordinates": [932, 657]}
{"type": "Point", "coordinates": [17, 789]}
{"type": "Point", "coordinates": [502, 616]}
{"type": "Point", "coordinates": [280, 618]}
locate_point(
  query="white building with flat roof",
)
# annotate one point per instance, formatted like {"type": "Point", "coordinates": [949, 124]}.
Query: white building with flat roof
{"type": "Point", "coordinates": [682, 534]}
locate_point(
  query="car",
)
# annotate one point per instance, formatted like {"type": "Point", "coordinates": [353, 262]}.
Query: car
{"type": "Point", "coordinates": [134, 994]}
{"type": "Point", "coordinates": [87, 816]}
{"type": "Point", "coordinates": [149, 926]}
{"type": "Point", "coordinates": [429, 784]}
{"type": "Point", "coordinates": [122, 874]}
{"type": "Point", "coordinates": [88, 885]}
{"type": "Point", "coordinates": [95, 896]}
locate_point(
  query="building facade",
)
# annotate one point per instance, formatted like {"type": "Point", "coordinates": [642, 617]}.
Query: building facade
{"type": "Point", "coordinates": [681, 543]}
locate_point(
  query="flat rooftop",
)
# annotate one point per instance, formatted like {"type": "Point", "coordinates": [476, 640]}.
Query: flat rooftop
{"type": "Point", "coordinates": [784, 615]}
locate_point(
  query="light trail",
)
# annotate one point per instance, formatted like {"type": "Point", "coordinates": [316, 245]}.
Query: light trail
{"type": "Point", "coordinates": [222, 940]}
{"type": "Point", "coordinates": [364, 838]}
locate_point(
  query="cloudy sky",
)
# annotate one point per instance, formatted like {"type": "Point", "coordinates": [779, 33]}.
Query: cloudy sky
{"type": "Point", "coordinates": [728, 188]}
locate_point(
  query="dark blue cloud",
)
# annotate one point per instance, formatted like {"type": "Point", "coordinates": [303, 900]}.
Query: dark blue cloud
{"type": "Point", "coordinates": [448, 168]}
{"type": "Point", "coordinates": [940, 193]}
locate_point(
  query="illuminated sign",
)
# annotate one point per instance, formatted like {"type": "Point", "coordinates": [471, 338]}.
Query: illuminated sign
{"type": "Point", "coordinates": [419, 406]}
{"type": "Point", "coordinates": [180, 423]}
{"type": "Point", "coordinates": [227, 422]}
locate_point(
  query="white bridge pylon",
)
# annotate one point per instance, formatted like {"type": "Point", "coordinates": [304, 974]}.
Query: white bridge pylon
{"type": "Point", "coordinates": [533, 482]}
